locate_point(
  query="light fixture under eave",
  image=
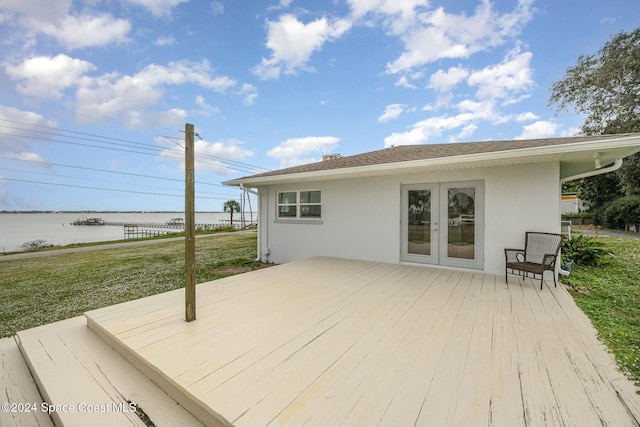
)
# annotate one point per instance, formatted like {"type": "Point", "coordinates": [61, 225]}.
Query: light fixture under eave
{"type": "Point", "coordinates": [596, 158]}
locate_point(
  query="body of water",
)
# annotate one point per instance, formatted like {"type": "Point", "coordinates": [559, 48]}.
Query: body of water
{"type": "Point", "coordinates": [56, 228]}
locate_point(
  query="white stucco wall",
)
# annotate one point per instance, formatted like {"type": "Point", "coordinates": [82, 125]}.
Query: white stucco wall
{"type": "Point", "coordinates": [361, 217]}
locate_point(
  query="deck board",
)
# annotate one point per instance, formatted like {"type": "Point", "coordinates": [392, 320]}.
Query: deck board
{"type": "Point", "coordinates": [72, 366]}
{"type": "Point", "coordinates": [330, 341]}
{"type": "Point", "coordinates": [18, 387]}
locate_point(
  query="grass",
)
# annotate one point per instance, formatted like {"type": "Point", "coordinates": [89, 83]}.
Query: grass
{"type": "Point", "coordinates": [37, 291]}
{"type": "Point", "coordinates": [199, 232]}
{"type": "Point", "coordinates": [610, 296]}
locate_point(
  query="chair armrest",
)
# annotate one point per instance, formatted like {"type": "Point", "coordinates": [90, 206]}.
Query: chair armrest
{"type": "Point", "coordinates": [511, 255]}
{"type": "Point", "coordinates": [549, 260]}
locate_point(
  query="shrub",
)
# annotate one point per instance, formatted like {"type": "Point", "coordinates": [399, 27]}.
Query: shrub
{"type": "Point", "coordinates": [34, 245]}
{"type": "Point", "coordinates": [584, 251]}
{"type": "Point", "coordinates": [620, 212]}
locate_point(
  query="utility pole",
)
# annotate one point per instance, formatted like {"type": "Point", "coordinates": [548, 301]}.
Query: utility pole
{"type": "Point", "coordinates": [189, 228]}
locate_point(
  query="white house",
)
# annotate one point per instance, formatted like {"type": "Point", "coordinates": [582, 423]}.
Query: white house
{"type": "Point", "coordinates": [455, 205]}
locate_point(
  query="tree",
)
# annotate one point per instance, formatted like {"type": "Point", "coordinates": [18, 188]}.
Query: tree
{"type": "Point", "coordinates": [605, 87]}
{"type": "Point", "coordinates": [231, 206]}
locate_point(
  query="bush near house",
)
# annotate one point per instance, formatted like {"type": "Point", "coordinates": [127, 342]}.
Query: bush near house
{"type": "Point", "coordinates": [622, 213]}
{"type": "Point", "coordinates": [584, 250]}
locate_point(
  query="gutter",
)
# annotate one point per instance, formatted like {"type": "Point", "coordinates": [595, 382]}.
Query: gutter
{"type": "Point", "coordinates": [248, 190]}
{"type": "Point", "coordinates": [614, 167]}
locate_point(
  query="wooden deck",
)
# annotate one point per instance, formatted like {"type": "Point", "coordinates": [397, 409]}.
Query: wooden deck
{"type": "Point", "coordinates": [327, 341]}
{"type": "Point", "coordinates": [18, 387]}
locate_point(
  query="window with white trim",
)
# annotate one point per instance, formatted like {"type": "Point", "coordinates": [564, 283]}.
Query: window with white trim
{"type": "Point", "coordinates": [299, 204]}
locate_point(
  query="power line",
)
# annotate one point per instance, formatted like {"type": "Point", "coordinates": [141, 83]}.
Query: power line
{"type": "Point", "coordinates": [252, 168]}
{"type": "Point", "coordinates": [231, 164]}
{"type": "Point", "coordinates": [150, 152]}
{"type": "Point", "coordinates": [106, 189]}
{"type": "Point", "coordinates": [112, 172]}
{"type": "Point", "coordinates": [102, 181]}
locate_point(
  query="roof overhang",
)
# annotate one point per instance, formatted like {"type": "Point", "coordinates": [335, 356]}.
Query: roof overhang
{"type": "Point", "coordinates": [574, 158]}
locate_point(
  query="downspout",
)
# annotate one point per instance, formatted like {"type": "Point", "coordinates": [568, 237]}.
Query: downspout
{"type": "Point", "coordinates": [614, 167]}
{"type": "Point", "coordinates": [599, 171]}
{"type": "Point", "coordinates": [248, 190]}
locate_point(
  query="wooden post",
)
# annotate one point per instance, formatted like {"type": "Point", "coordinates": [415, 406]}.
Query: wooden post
{"type": "Point", "coordinates": [189, 228]}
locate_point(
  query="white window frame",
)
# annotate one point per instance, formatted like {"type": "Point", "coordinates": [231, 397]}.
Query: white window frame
{"type": "Point", "coordinates": [298, 205]}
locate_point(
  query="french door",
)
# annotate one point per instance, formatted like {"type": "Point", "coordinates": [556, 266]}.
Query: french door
{"type": "Point", "coordinates": [443, 223]}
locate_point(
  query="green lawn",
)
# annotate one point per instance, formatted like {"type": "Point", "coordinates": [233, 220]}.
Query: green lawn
{"type": "Point", "coordinates": [610, 295]}
{"type": "Point", "coordinates": [37, 291]}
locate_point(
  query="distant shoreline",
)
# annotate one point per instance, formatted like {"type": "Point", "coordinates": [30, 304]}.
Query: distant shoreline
{"type": "Point", "coordinates": [90, 211]}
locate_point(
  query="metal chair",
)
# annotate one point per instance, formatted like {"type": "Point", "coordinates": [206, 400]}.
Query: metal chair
{"type": "Point", "coordinates": [539, 255]}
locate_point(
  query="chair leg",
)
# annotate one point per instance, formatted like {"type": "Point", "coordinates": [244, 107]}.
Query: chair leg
{"type": "Point", "coordinates": [541, 280]}
{"type": "Point", "coordinates": [555, 284]}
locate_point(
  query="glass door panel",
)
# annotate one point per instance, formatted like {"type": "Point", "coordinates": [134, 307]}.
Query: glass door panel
{"type": "Point", "coordinates": [419, 226]}
{"type": "Point", "coordinates": [419, 222]}
{"type": "Point", "coordinates": [461, 243]}
{"type": "Point", "coordinates": [461, 230]}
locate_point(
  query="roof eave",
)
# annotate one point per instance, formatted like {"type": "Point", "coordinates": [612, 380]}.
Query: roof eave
{"type": "Point", "coordinates": [610, 148]}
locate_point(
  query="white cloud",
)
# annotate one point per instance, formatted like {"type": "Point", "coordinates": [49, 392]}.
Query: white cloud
{"type": "Point", "coordinates": [292, 43]}
{"type": "Point", "coordinates": [525, 117]}
{"type": "Point", "coordinates": [205, 108]}
{"type": "Point", "coordinates": [56, 20]}
{"type": "Point", "coordinates": [403, 81]}
{"type": "Point", "coordinates": [465, 133]}
{"type": "Point", "coordinates": [33, 12]}
{"type": "Point", "coordinates": [180, 72]}
{"type": "Point", "coordinates": [165, 41]}
{"type": "Point", "coordinates": [28, 157]}
{"type": "Point", "coordinates": [47, 77]}
{"type": "Point", "coordinates": [19, 121]}
{"type": "Point", "coordinates": [500, 84]}
{"type": "Point", "coordinates": [249, 93]}
{"type": "Point", "coordinates": [128, 98]}
{"type": "Point", "coordinates": [511, 76]}
{"type": "Point", "coordinates": [397, 15]}
{"type": "Point", "coordinates": [539, 129]}
{"type": "Point", "coordinates": [86, 31]}
{"type": "Point", "coordinates": [424, 130]}
{"type": "Point", "coordinates": [217, 8]}
{"type": "Point", "coordinates": [282, 4]}
{"type": "Point", "coordinates": [132, 100]}
{"type": "Point", "coordinates": [443, 81]}
{"type": "Point", "coordinates": [296, 151]}
{"type": "Point", "coordinates": [469, 114]}
{"type": "Point", "coordinates": [573, 131]}
{"type": "Point", "coordinates": [391, 112]}
{"type": "Point", "coordinates": [437, 34]}
{"type": "Point", "coordinates": [158, 8]}
{"type": "Point", "coordinates": [16, 124]}
{"type": "Point", "coordinates": [480, 108]}
{"type": "Point", "coordinates": [216, 157]}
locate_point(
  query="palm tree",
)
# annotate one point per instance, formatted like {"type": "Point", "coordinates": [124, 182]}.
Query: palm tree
{"type": "Point", "coordinates": [231, 206]}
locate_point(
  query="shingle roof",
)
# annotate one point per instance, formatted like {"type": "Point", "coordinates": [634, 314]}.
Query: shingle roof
{"type": "Point", "coordinates": [405, 153]}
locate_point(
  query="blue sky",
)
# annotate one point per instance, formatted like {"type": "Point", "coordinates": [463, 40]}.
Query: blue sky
{"type": "Point", "coordinates": [94, 95]}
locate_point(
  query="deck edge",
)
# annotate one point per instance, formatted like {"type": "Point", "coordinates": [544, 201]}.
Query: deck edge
{"type": "Point", "coordinates": [195, 406]}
